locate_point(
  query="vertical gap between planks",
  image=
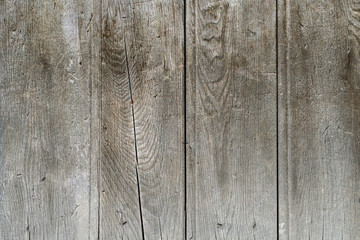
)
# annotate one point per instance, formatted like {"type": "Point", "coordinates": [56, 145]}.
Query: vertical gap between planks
{"type": "Point", "coordinates": [100, 121]}
{"type": "Point", "coordinates": [277, 116]}
{"type": "Point", "coordinates": [185, 139]}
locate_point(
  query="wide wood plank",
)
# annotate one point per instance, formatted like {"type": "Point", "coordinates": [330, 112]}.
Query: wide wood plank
{"type": "Point", "coordinates": [46, 81]}
{"type": "Point", "coordinates": [142, 152]}
{"type": "Point", "coordinates": [231, 119]}
{"type": "Point", "coordinates": [319, 119]}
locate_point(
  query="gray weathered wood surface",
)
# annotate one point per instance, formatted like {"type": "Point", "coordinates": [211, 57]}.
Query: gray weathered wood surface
{"type": "Point", "coordinates": [142, 164]}
{"type": "Point", "coordinates": [231, 119]}
{"type": "Point", "coordinates": [319, 119]}
{"type": "Point", "coordinates": [172, 119]}
{"type": "Point", "coordinates": [47, 63]}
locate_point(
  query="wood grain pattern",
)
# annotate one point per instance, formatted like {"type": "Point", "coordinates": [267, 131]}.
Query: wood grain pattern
{"type": "Point", "coordinates": [158, 119]}
{"type": "Point", "coordinates": [319, 119]}
{"type": "Point", "coordinates": [157, 68]}
{"type": "Point", "coordinates": [142, 165]}
{"type": "Point", "coordinates": [231, 119]}
{"type": "Point", "coordinates": [46, 59]}
{"type": "Point", "coordinates": [119, 215]}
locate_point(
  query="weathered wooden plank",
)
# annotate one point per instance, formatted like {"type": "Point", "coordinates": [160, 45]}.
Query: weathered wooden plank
{"type": "Point", "coordinates": [142, 165]}
{"type": "Point", "coordinates": [119, 203]}
{"type": "Point", "coordinates": [231, 119]}
{"type": "Point", "coordinates": [45, 71]}
{"type": "Point", "coordinates": [319, 119]}
{"type": "Point", "coordinates": [156, 63]}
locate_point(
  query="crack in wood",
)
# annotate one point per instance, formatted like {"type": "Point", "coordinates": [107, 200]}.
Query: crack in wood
{"type": "Point", "coordinates": [135, 143]}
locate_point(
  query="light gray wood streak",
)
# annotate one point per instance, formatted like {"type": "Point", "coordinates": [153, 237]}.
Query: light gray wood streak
{"type": "Point", "coordinates": [319, 119]}
{"type": "Point", "coordinates": [231, 119]}
{"type": "Point", "coordinates": [142, 163]}
{"type": "Point", "coordinates": [48, 65]}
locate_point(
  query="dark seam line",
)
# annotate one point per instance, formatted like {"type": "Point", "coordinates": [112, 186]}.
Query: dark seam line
{"type": "Point", "coordinates": [135, 143]}
{"type": "Point", "coordinates": [28, 229]}
{"type": "Point", "coordinates": [277, 119]}
{"type": "Point", "coordinates": [100, 122]}
{"type": "Point", "coordinates": [185, 139]}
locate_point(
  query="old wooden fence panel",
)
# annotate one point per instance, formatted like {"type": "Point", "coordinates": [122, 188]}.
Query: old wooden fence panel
{"type": "Point", "coordinates": [179, 119]}
{"type": "Point", "coordinates": [319, 119]}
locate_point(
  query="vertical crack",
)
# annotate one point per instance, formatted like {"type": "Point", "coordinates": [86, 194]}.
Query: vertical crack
{"type": "Point", "coordinates": [135, 143]}
{"type": "Point", "coordinates": [277, 117]}
{"type": "Point", "coordinates": [28, 229]}
{"type": "Point", "coordinates": [185, 139]}
{"type": "Point", "coordinates": [100, 123]}
{"type": "Point", "coordinates": [161, 238]}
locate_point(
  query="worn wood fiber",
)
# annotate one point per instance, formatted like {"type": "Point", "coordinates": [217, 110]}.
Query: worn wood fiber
{"type": "Point", "coordinates": [319, 114]}
{"type": "Point", "coordinates": [142, 152]}
{"type": "Point", "coordinates": [172, 119]}
{"type": "Point", "coordinates": [47, 60]}
{"type": "Point", "coordinates": [231, 119]}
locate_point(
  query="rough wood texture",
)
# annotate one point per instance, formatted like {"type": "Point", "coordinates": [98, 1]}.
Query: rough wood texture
{"type": "Point", "coordinates": [46, 62]}
{"type": "Point", "coordinates": [142, 161]}
{"type": "Point", "coordinates": [117, 124]}
{"type": "Point", "coordinates": [231, 119]}
{"type": "Point", "coordinates": [319, 119]}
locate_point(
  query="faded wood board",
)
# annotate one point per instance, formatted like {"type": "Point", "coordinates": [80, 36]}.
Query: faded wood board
{"type": "Point", "coordinates": [142, 152]}
{"type": "Point", "coordinates": [319, 113]}
{"type": "Point", "coordinates": [46, 78]}
{"type": "Point", "coordinates": [231, 119]}
{"type": "Point", "coordinates": [126, 119]}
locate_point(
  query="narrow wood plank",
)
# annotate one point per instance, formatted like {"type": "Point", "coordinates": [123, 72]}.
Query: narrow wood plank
{"type": "Point", "coordinates": [119, 204]}
{"type": "Point", "coordinates": [45, 90]}
{"type": "Point", "coordinates": [142, 165]}
{"type": "Point", "coordinates": [319, 119]}
{"type": "Point", "coordinates": [156, 63]}
{"type": "Point", "coordinates": [231, 119]}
